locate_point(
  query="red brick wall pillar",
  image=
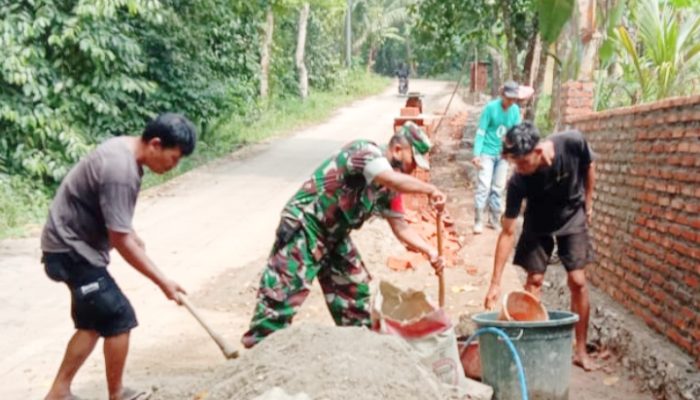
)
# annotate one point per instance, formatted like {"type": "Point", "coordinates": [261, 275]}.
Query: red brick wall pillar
{"type": "Point", "coordinates": [575, 99]}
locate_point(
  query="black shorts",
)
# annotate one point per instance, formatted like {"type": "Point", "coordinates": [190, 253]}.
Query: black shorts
{"type": "Point", "coordinates": [97, 303]}
{"type": "Point", "coordinates": [533, 251]}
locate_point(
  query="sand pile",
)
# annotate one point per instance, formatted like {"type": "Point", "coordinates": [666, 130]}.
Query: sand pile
{"type": "Point", "coordinates": [327, 363]}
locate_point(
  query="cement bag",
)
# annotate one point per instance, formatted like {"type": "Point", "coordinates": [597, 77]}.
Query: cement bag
{"type": "Point", "coordinates": [428, 330]}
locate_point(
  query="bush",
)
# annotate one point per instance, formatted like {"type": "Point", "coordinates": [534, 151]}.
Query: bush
{"type": "Point", "coordinates": [75, 72]}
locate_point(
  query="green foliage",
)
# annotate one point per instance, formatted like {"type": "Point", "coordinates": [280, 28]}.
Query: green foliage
{"type": "Point", "coordinates": [656, 54]}
{"type": "Point", "coordinates": [20, 202]}
{"type": "Point", "coordinates": [447, 32]}
{"type": "Point", "coordinates": [553, 15]}
{"type": "Point", "coordinates": [75, 72]}
{"type": "Point", "coordinates": [542, 121]}
{"type": "Point", "coordinates": [377, 22]}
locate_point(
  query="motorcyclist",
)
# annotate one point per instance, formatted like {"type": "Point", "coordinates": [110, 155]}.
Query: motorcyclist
{"type": "Point", "coordinates": [402, 72]}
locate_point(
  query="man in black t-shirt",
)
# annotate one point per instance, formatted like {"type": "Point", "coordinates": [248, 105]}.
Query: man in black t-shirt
{"type": "Point", "coordinates": [556, 176]}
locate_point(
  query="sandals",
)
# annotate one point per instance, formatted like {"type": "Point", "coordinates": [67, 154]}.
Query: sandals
{"type": "Point", "coordinates": [133, 394]}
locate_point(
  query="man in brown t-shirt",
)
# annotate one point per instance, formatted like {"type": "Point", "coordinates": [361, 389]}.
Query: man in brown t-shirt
{"type": "Point", "coordinates": [91, 214]}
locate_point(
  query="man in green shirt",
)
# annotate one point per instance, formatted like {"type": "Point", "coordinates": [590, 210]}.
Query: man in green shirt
{"type": "Point", "coordinates": [498, 116]}
{"type": "Point", "coordinates": [313, 237]}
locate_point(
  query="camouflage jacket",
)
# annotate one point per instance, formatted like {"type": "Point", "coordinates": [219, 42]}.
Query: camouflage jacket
{"type": "Point", "coordinates": [340, 195]}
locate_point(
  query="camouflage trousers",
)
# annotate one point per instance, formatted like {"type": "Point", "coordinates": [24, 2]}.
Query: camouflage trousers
{"type": "Point", "coordinates": [296, 259]}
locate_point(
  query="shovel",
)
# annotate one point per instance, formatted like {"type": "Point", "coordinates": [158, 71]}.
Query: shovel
{"type": "Point", "coordinates": [441, 276]}
{"type": "Point", "coordinates": [226, 348]}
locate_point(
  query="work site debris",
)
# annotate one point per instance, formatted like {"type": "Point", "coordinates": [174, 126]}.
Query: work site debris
{"type": "Point", "coordinates": [423, 218]}
{"type": "Point", "coordinates": [427, 329]}
{"type": "Point", "coordinates": [326, 362]}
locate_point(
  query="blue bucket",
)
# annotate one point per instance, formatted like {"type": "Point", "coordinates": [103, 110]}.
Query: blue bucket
{"type": "Point", "coordinates": [545, 349]}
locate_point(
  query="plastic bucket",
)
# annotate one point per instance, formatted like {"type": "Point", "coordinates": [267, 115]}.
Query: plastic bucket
{"type": "Point", "coordinates": [522, 306]}
{"type": "Point", "coordinates": [545, 349]}
{"type": "Point", "coordinates": [469, 356]}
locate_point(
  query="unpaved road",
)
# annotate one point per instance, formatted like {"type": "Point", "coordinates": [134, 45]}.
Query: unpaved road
{"type": "Point", "coordinates": [210, 230]}
{"type": "Point", "coordinates": [213, 219]}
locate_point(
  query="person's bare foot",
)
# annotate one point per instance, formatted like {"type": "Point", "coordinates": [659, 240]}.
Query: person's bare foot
{"type": "Point", "coordinates": [585, 362]}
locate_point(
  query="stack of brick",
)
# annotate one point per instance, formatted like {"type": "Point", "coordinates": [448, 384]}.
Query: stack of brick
{"type": "Point", "coordinates": [456, 125]}
{"type": "Point", "coordinates": [423, 218]}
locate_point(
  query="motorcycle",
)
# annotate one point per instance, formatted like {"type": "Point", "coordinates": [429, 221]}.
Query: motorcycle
{"type": "Point", "coordinates": [403, 85]}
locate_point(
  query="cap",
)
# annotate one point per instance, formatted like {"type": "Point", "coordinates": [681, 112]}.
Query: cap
{"type": "Point", "coordinates": [420, 143]}
{"type": "Point", "coordinates": [511, 90]}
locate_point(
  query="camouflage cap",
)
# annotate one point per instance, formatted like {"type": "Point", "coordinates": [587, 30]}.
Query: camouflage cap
{"type": "Point", "coordinates": [420, 143]}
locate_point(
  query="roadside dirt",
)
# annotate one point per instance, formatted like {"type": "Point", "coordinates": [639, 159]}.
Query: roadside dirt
{"type": "Point", "coordinates": [211, 230]}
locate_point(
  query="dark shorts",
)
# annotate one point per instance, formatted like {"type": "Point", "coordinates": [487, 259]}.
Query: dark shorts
{"type": "Point", "coordinates": [533, 251]}
{"type": "Point", "coordinates": [97, 303]}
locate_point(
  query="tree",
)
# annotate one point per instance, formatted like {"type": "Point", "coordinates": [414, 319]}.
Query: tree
{"type": "Point", "coordinates": [301, 45]}
{"type": "Point", "coordinates": [268, 31]}
{"type": "Point", "coordinates": [379, 21]}
{"type": "Point", "coordinates": [670, 50]}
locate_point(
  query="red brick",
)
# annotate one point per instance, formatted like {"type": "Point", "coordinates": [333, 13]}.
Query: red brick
{"type": "Point", "coordinates": [398, 263]}
{"type": "Point", "coordinates": [695, 333]}
{"type": "Point", "coordinates": [688, 235]}
{"type": "Point", "coordinates": [678, 339]}
{"type": "Point", "coordinates": [656, 311]}
{"type": "Point", "coordinates": [695, 223]}
{"type": "Point", "coordinates": [656, 279]}
{"type": "Point", "coordinates": [683, 249]}
{"type": "Point", "coordinates": [410, 111]}
{"type": "Point", "coordinates": [689, 314]}
{"type": "Point", "coordinates": [673, 260]}
{"type": "Point", "coordinates": [692, 281]}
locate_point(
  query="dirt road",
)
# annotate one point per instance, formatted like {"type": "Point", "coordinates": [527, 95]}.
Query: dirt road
{"type": "Point", "coordinates": [210, 230]}
{"type": "Point", "coordinates": [213, 219]}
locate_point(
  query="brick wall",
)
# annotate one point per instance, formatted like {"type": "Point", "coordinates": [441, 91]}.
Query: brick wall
{"type": "Point", "coordinates": [646, 224]}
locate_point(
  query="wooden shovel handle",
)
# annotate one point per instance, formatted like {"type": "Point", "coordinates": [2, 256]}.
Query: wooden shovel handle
{"type": "Point", "coordinates": [441, 276]}
{"type": "Point", "coordinates": [227, 349]}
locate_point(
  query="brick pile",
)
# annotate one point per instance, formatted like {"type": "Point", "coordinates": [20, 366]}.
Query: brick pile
{"type": "Point", "coordinates": [420, 214]}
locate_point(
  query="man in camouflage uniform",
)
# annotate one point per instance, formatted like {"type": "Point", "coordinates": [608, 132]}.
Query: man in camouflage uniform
{"type": "Point", "coordinates": [313, 238]}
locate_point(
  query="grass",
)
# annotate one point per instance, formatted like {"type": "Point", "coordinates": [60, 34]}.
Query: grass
{"type": "Point", "coordinates": [22, 206]}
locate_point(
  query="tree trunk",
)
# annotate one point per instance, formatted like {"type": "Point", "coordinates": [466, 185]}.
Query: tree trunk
{"type": "Point", "coordinates": [590, 38]}
{"type": "Point", "coordinates": [510, 43]}
{"type": "Point", "coordinates": [496, 64]}
{"type": "Point", "coordinates": [530, 113]}
{"type": "Point", "coordinates": [301, 45]}
{"type": "Point", "coordinates": [265, 55]}
{"type": "Point", "coordinates": [409, 56]}
{"type": "Point", "coordinates": [371, 54]}
{"type": "Point", "coordinates": [555, 105]}
{"type": "Point", "coordinates": [530, 59]}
